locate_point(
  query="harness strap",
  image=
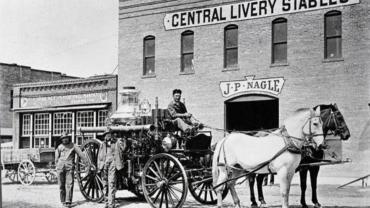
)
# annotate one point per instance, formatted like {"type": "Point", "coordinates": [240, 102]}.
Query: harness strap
{"type": "Point", "coordinates": [260, 166]}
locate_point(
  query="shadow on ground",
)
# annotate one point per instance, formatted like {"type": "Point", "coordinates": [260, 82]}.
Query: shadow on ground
{"type": "Point", "coordinates": [24, 205]}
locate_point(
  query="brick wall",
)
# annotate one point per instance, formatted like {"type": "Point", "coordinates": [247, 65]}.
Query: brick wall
{"type": "Point", "coordinates": [309, 79]}
{"type": "Point", "coordinates": [14, 74]}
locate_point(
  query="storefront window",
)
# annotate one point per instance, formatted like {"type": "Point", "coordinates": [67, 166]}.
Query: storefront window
{"type": "Point", "coordinates": [102, 117]}
{"type": "Point", "coordinates": [62, 122]}
{"type": "Point", "coordinates": [26, 125]}
{"type": "Point", "coordinates": [85, 118]}
{"type": "Point", "coordinates": [41, 142]}
{"type": "Point", "coordinates": [42, 124]}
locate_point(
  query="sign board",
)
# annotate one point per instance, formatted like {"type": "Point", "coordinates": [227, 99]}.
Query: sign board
{"type": "Point", "coordinates": [246, 10]}
{"type": "Point", "coordinates": [62, 100]}
{"type": "Point", "coordinates": [269, 86]}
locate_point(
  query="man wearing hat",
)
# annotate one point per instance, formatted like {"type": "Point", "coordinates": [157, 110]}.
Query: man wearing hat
{"type": "Point", "coordinates": [111, 160]}
{"type": "Point", "coordinates": [64, 160]}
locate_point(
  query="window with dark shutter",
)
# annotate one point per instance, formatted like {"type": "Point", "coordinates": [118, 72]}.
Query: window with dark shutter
{"type": "Point", "coordinates": [187, 51]}
{"type": "Point", "coordinates": [231, 46]}
{"type": "Point", "coordinates": [279, 40]}
{"type": "Point", "coordinates": [149, 55]}
{"type": "Point", "coordinates": [333, 35]}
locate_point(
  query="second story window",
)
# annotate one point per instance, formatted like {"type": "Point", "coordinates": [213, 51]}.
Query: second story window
{"type": "Point", "coordinates": [187, 51]}
{"type": "Point", "coordinates": [279, 41]}
{"type": "Point", "coordinates": [149, 55]}
{"type": "Point", "coordinates": [230, 46]}
{"type": "Point", "coordinates": [333, 35]}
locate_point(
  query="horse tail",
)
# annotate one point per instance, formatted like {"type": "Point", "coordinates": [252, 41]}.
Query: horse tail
{"type": "Point", "coordinates": [218, 157]}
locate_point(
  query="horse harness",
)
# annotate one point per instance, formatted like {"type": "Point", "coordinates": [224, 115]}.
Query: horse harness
{"type": "Point", "coordinates": [290, 146]}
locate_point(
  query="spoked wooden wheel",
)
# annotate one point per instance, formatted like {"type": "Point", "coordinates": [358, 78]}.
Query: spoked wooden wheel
{"type": "Point", "coordinates": [12, 175]}
{"type": "Point", "coordinates": [164, 182]}
{"type": "Point", "coordinates": [201, 188]}
{"type": "Point", "coordinates": [51, 176]}
{"type": "Point", "coordinates": [26, 172]}
{"type": "Point", "coordinates": [89, 181]}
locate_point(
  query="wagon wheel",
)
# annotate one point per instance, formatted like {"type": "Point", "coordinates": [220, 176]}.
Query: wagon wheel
{"type": "Point", "coordinates": [89, 181]}
{"type": "Point", "coordinates": [26, 172]}
{"type": "Point", "coordinates": [12, 175]}
{"type": "Point", "coordinates": [164, 182]}
{"type": "Point", "coordinates": [202, 190]}
{"type": "Point", "coordinates": [51, 176]}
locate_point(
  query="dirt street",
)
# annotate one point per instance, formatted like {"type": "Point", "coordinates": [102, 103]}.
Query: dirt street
{"type": "Point", "coordinates": [44, 195]}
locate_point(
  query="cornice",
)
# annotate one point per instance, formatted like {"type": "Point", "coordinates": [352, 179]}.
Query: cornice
{"type": "Point", "coordinates": [66, 82]}
{"type": "Point", "coordinates": [52, 94]}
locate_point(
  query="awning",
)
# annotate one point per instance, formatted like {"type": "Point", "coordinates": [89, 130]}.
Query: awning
{"type": "Point", "coordinates": [62, 108]}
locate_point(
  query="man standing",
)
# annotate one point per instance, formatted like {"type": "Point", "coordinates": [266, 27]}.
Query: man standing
{"type": "Point", "coordinates": [64, 160]}
{"type": "Point", "coordinates": [110, 160]}
{"type": "Point", "coordinates": [179, 114]}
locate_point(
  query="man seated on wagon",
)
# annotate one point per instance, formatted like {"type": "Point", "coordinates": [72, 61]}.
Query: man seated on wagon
{"type": "Point", "coordinates": [179, 115]}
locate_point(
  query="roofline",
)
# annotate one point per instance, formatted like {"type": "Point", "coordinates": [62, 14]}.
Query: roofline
{"type": "Point", "coordinates": [40, 70]}
{"type": "Point", "coordinates": [67, 81]}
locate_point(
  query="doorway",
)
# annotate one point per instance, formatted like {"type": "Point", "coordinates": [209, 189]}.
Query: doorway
{"type": "Point", "coordinates": [252, 112]}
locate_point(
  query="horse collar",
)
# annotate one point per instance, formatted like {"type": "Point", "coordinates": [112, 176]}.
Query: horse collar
{"type": "Point", "coordinates": [291, 146]}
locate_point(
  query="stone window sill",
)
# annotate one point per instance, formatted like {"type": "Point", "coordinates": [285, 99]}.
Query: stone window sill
{"type": "Point", "coordinates": [231, 68]}
{"type": "Point", "coordinates": [148, 76]}
{"type": "Point", "coordinates": [187, 72]}
{"type": "Point", "coordinates": [328, 60]}
{"type": "Point", "coordinates": [279, 64]}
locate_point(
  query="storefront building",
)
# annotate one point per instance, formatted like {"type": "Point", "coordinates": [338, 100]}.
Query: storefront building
{"type": "Point", "coordinates": [245, 65]}
{"type": "Point", "coordinates": [14, 74]}
{"type": "Point", "coordinates": [44, 110]}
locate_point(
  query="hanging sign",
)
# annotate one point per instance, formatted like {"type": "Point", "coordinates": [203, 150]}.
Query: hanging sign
{"type": "Point", "coordinates": [270, 86]}
{"type": "Point", "coordinates": [62, 100]}
{"type": "Point", "coordinates": [246, 10]}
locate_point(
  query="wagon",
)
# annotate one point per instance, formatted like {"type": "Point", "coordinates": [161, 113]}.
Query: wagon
{"type": "Point", "coordinates": [24, 165]}
{"type": "Point", "coordinates": [161, 165]}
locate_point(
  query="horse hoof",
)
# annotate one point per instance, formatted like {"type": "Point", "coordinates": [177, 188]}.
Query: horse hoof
{"type": "Point", "coordinates": [263, 205]}
{"type": "Point", "coordinates": [317, 205]}
{"type": "Point", "coordinates": [304, 206]}
{"type": "Point", "coordinates": [254, 205]}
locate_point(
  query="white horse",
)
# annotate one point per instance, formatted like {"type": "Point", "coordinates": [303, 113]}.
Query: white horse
{"type": "Point", "coordinates": [239, 153]}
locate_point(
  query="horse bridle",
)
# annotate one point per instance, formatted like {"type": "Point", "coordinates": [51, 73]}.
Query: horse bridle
{"type": "Point", "coordinates": [333, 117]}
{"type": "Point", "coordinates": [307, 137]}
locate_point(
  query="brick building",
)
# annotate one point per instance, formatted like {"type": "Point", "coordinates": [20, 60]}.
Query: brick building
{"type": "Point", "coordinates": [247, 64]}
{"type": "Point", "coordinates": [44, 110]}
{"type": "Point", "coordinates": [13, 74]}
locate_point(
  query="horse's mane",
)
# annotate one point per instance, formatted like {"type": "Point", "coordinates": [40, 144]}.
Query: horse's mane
{"type": "Point", "coordinates": [299, 110]}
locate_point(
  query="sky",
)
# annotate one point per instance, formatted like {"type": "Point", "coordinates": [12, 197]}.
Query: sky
{"type": "Point", "coordinates": [75, 37]}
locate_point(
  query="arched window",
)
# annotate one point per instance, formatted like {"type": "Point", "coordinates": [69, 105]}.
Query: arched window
{"type": "Point", "coordinates": [149, 55]}
{"type": "Point", "coordinates": [279, 40]}
{"type": "Point", "coordinates": [230, 46]}
{"type": "Point", "coordinates": [333, 35]}
{"type": "Point", "coordinates": [187, 51]}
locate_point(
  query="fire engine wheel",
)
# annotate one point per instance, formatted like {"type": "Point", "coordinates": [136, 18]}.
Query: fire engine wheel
{"type": "Point", "coordinates": [202, 190]}
{"type": "Point", "coordinates": [164, 182]}
{"type": "Point", "coordinates": [89, 180]}
{"type": "Point", "coordinates": [12, 175]}
{"type": "Point", "coordinates": [26, 172]}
